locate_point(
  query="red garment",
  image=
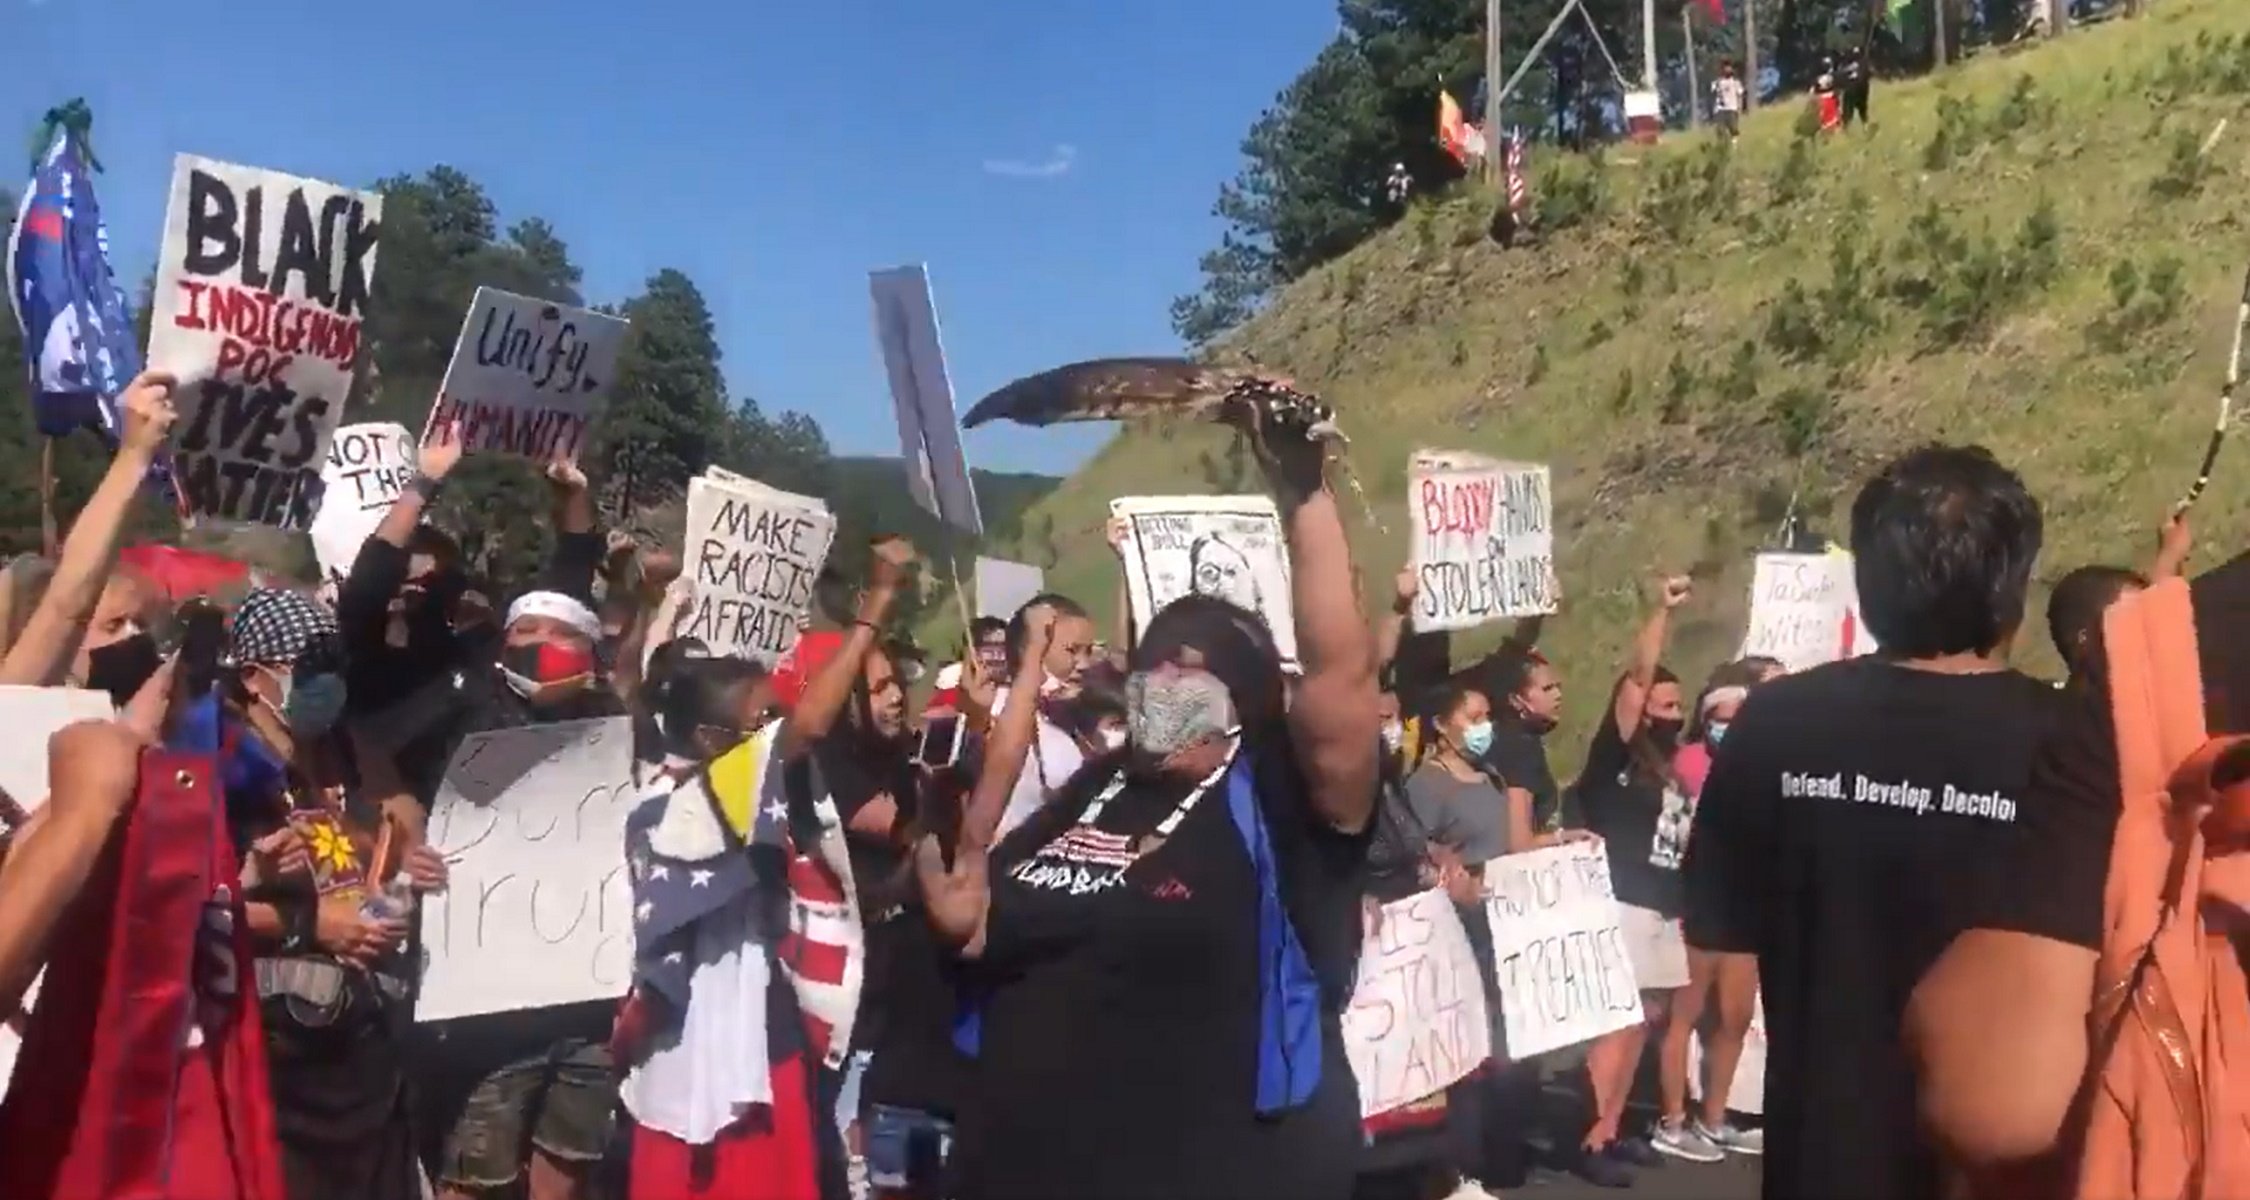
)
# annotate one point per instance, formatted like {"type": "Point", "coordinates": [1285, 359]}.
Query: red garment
{"type": "Point", "coordinates": [186, 574]}
{"type": "Point", "coordinates": [1831, 113]}
{"type": "Point", "coordinates": [108, 1101]}
{"type": "Point", "coordinates": [813, 650]}
{"type": "Point", "coordinates": [771, 1154]}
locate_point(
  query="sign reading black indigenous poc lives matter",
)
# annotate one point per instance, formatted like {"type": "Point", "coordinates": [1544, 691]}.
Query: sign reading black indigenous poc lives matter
{"type": "Point", "coordinates": [753, 554]}
{"type": "Point", "coordinates": [528, 377]}
{"type": "Point", "coordinates": [1484, 540]}
{"type": "Point", "coordinates": [368, 467]}
{"type": "Point", "coordinates": [1564, 977]}
{"type": "Point", "coordinates": [261, 288]}
{"type": "Point", "coordinates": [1229, 547]}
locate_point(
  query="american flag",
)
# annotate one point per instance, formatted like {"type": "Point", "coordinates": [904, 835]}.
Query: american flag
{"type": "Point", "coordinates": [1519, 188]}
{"type": "Point", "coordinates": [786, 821]}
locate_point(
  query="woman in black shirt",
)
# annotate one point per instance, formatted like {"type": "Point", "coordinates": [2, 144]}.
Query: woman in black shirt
{"type": "Point", "coordinates": [1164, 950]}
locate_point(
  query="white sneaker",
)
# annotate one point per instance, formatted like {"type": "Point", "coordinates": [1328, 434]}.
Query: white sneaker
{"type": "Point", "coordinates": [1470, 1189]}
{"type": "Point", "coordinates": [1725, 1136]}
{"type": "Point", "coordinates": [1683, 1141]}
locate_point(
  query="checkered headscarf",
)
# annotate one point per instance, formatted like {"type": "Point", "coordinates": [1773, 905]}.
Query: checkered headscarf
{"type": "Point", "coordinates": [283, 628]}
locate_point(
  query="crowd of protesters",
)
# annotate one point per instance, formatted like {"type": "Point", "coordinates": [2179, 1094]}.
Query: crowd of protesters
{"type": "Point", "coordinates": [1110, 925]}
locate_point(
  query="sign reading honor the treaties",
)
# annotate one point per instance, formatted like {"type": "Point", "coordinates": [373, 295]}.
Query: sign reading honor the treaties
{"type": "Point", "coordinates": [528, 376]}
{"type": "Point", "coordinates": [1564, 975]}
{"type": "Point", "coordinates": [261, 288]}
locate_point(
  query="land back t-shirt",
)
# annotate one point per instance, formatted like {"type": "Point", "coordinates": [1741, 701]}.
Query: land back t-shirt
{"type": "Point", "coordinates": [1838, 837]}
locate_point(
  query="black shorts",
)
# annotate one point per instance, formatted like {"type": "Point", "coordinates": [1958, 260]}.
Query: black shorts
{"type": "Point", "coordinates": [563, 1102]}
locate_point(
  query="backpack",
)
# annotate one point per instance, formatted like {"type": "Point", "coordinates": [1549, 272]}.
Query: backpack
{"type": "Point", "coordinates": [2167, 1110]}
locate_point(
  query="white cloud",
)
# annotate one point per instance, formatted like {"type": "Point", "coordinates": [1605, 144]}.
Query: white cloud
{"type": "Point", "coordinates": [1058, 163]}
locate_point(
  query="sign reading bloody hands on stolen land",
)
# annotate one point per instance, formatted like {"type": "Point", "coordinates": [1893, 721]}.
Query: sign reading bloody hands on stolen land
{"type": "Point", "coordinates": [528, 377]}
{"type": "Point", "coordinates": [261, 288]}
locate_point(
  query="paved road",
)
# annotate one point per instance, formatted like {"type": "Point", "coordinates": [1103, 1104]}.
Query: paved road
{"type": "Point", "coordinates": [1563, 1105]}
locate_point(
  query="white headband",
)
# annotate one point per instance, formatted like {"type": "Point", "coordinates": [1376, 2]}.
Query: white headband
{"type": "Point", "coordinates": [556, 606]}
{"type": "Point", "coordinates": [1719, 696]}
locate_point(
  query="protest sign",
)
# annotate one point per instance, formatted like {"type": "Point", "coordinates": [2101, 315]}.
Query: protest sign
{"type": "Point", "coordinates": [1804, 610]}
{"type": "Point", "coordinates": [1748, 1092]}
{"type": "Point", "coordinates": [539, 909]}
{"type": "Point", "coordinates": [261, 286]}
{"type": "Point", "coordinates": [929, 433]}
{"type": "Point", "coordinates": [1484, 540]}
{"type": "Point", "coordinates": [1003, 586]}
{"type": "Point", "coordinates": [1564, 976]}
{"type": "Point", "coordinates": [1224, 546]}
{"type": "Point", "coordinates": [368, 467]}
{"type": "Point", "coordinates": [528, 376]}
{"type": "Point", "coordinates": [29, 716]}
{"type": "Point", "coordinates": [1417, 1021]}
{"type": "Point", "coordinates": [752, 556]}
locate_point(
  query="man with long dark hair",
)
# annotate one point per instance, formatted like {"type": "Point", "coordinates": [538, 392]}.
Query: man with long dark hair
{"type": "Point", "coordinates": [1843, 816]}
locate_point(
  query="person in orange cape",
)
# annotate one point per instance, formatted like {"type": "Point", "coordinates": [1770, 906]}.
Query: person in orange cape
{"type": "Point", "coordinates": [143, 1073]}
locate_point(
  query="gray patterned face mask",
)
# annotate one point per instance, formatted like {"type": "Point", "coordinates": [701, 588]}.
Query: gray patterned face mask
{"type": "Point", "coordinates": [1173, 708]}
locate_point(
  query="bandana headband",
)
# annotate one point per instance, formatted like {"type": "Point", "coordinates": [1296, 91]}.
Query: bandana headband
{"type": "Point", "coordinates": [556, 606]}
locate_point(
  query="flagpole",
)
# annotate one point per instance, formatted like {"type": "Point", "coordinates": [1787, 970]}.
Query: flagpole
{"type": "Point", "coordinates": [1749, 55]}
{"type": "Point", "coordinates": [1492, 67]}
{"type": "Point", "coordinates": [1687, 43]}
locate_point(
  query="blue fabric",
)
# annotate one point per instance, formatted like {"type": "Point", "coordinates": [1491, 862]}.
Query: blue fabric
{"type": "Point", "coordinates": [968, 1022]}
{"type": "Point", "coordinates": [77, 329]}
{"type": "Point", "coordinates": [1289, 1058]}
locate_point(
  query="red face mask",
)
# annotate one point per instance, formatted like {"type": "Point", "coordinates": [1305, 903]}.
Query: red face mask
{"type": "Point", "coordinates": [543, 672]}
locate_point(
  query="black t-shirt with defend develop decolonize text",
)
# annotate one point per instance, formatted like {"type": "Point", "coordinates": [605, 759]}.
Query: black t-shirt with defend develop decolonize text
{"type": "Point", "coordinates": [1838, 838]}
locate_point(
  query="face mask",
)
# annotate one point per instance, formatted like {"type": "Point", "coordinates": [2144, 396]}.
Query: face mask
{"type": "Point", "coordinates": [1665, 732]}
{"type": "Point", "coordinates": [1715, 732]}
{"type": "Point", "coordinates": [121, 667]}
{"type": "Point", "coordinates": [547, 672]}
{"type": "Point", "coordinates": [1394, 736]}
{"type": "Point", "coordinates": [311, 706]}
{"type": "Point", "coordinates": [1171, 709]}
{"type": "Point", "coordinates": [1112, 739]}
{"type": "Point", "coordinates": [1477, 739]}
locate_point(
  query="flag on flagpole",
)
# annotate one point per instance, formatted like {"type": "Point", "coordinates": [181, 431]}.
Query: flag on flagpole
{"type": "Point", "coordinates": [1718, 10]}
{"type": "Point", "coordinates": [77, 327]}
{"type": "Point", "coordinates": [1519, 188]}
{"type": "Point", "coordinates": [1454, 132]}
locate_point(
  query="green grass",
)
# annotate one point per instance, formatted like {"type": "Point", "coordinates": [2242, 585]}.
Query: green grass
{"type": "Point", "coordinates": [1615, 351]}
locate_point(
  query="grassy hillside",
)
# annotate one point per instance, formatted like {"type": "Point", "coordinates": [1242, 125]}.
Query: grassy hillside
{"type": "Point", "coordinates": [2029, 252]}
{"type": "Point", "coordinates": [876, 489]}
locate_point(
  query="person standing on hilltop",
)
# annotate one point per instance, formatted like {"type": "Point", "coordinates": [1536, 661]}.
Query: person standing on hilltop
{"type": "Point", "coordinates": [1727, 97]}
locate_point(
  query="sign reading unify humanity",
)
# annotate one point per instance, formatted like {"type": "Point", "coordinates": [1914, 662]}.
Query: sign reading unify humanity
{"type": "Point", "coordinates": [528, 377]}
{"type": "Point", "coordinates": [1229, 547]}
{"type": "Point", "coordinates": [753, 554]}
{"type": "Point", "coordinates": [368, 467]}
{"type": "Point", "coordinates": [261, 288]}
{"type": "Point", "coordinates": [1804, 610]}
{"type": "Point", "coordinates": [1484, 540]}
{"type": "Point", "coordinates": [1417, 1021]}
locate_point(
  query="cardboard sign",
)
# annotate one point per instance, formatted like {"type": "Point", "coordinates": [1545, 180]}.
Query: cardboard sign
{"type": "Point", "coordinates": [261, 287]}
{"type": "Point", "coordinates": [1804, 610]}
{"type": "Point", "coordinates": [1417, 1022]}
{"type": "Point", "coordinates": [929, 432]}
{"type": "Point", "coordinates": [1224, 546]}
{"type": "Point", "coordinates": [539, 909]}
{"type": "Point", "coordinates": [1747, 1094]}
{"type": "Point", "coordinates": [1564, 975]}
{"type": "Point", "coordinates": [528, 376]}
{"type": "Point", "coordinates": [1003, 586]}
{"type": "Point", "coordinates": [368, 467]}
{"type": "Point", "coordinates": [1484, 540]}
{"type": "Point", "coordinates": [753, 554]}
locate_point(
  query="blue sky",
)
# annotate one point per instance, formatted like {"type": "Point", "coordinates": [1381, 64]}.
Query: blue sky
{"type": "Point", "coordinates": [1053, 162]}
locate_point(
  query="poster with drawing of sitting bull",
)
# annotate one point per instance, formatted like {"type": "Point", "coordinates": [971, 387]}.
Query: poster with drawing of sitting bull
{"type": "Point", "coordinates": [1224, 546]}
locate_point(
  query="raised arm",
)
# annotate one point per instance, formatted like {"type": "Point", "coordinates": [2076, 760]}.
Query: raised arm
{"type": "Point", "coordinates": [380, 569]}
{"type": "Point", "coordinates": [2174, 542]}
{"type": "Point", "coordinates": [1008, 743]}
{"type": "Point", "coordinates": [1390, 628]}
{"type": "Point", "coordinates": [1648, 654]}
{"type": "Point", "coordinates": [51, 637]}
{"type": "Point", "coordinates": [829, 689]}
{"type": "Point", "coordinates": [578, 549]}
{"type": "Point", "coordinates": [1333, 724]}
{"type": "Point", "coordinates": [654, 614]}
{"type": "Point", "coordinates": [93, 769]}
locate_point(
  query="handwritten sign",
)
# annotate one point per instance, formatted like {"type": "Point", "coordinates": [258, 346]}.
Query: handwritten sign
{"type": "Point", "coordinates": [1484, 540]}
{"type": "Point", "coordinates": [1564, 976]}
{"type": "Point", "coordinates": [1417, 1022]}
{"type": "Point", "coordinates": [368, 467]}
{"type": "Point", "coordinates": [1804, 610]}
{"type": "Point", "coordinates": [1747, 1094]}
{"type": "Point", "coordinates": [528, 376]}
{"type": "Point", "coordinates": [753, 554]}
{"type": "Point", "coordinates": [261, 287]}
{"type": "Point", "coordinates": [1224, 546]}
{"type": "Point", "coordinates": [539, 909]}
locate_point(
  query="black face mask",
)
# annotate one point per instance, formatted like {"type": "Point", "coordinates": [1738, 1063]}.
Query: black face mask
{"type": "Point", "coordinates": [121, 667]}
{"type": "Point", "coordinates": [1665, 733]}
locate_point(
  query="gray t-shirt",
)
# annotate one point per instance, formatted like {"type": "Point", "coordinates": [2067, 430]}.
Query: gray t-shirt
{"type": "Point", "coordinates": [1470, 817]}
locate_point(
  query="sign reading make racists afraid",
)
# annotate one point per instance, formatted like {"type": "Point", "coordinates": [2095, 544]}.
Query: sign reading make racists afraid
{"type": "Point", "coordinates": [262, 286]}
{"type": "Point", "coordinates": [528, 377]}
